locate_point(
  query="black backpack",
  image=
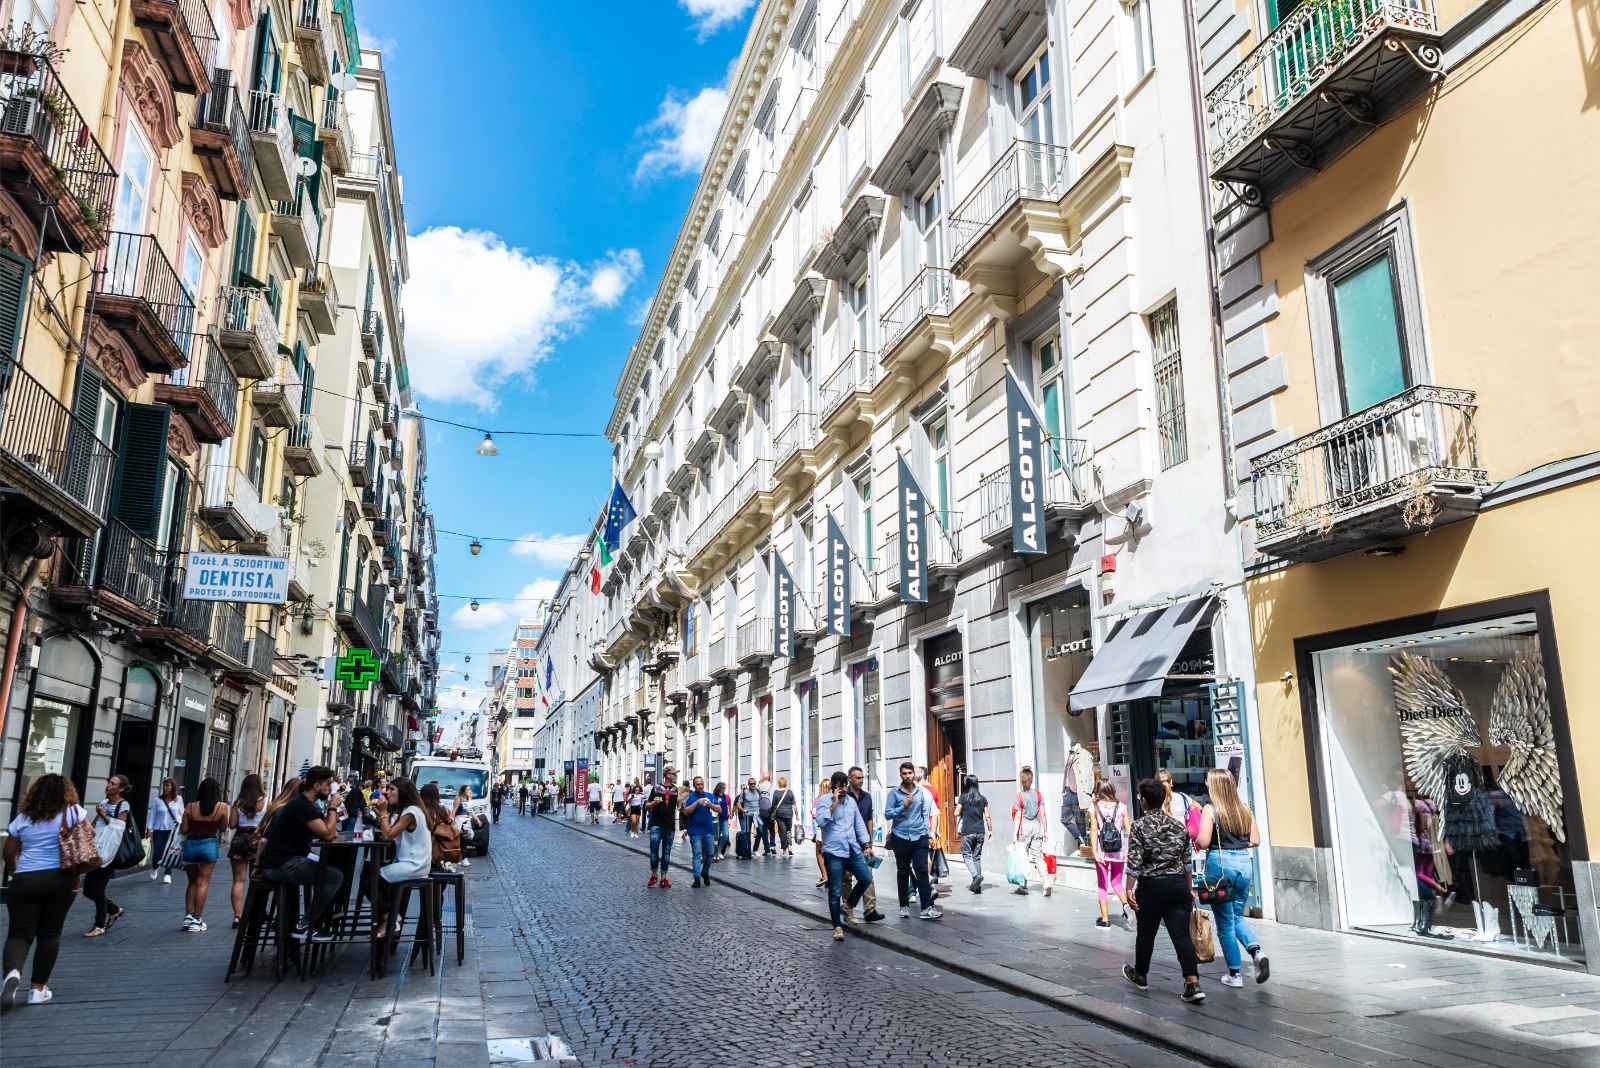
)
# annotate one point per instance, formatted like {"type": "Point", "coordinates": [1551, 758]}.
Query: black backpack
{"type": "Point", "coordinates": [1110, 834]}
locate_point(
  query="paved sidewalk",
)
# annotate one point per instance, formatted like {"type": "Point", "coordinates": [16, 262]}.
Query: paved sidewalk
{"type": "Point", "coordinates": [1334, 999]}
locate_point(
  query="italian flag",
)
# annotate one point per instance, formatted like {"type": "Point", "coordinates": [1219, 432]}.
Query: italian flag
{"type": "Point", "coordinates": [602, 560]}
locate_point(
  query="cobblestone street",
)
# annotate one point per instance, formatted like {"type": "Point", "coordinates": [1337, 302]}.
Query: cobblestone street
{"type": "Point", "coordinates": [564, 940]}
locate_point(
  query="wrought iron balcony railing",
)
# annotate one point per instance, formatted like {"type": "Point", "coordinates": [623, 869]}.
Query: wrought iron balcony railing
{"type": "Point", "coordinates": [222, 137]}
{"type": "Point", "coordinates": [141, 294]}
{"type": "Point", "coordinates": [229, 635]}
{"type": "Point", "coordinates": [115, 561]}
{"type": "Point", "coordinates": [858, 373]}
{"type": "Point", "coordinates": [931, 292]}
{"type": "Point", "coordinates": [1028, 170]}
{"type": "Point", "coordinates": [942, 550]}
{"type": "Point", "coordinates": [205, 387]}
{"type": "Point", "coordinates": [1396, 468]}
{"type": "Point", "coordinates": [43, 134]}
{"type": "Point", "coordinates": [1065, 462]}
{"type": "Point", "coordinates": [50, 451]}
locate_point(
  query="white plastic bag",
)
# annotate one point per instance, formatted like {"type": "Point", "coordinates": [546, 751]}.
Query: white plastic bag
{"type": "Point", "coordinates": [1016, 865]}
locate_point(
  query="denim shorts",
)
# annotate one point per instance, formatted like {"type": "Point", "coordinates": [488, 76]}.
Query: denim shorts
{"type": "Point", "coordinates": [199, 850]}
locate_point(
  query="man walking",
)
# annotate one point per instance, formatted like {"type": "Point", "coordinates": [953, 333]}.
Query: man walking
{"type": "Point", "coordinates": [497, 798]}
{"type": "Point", "coordinates": [907, 811]}
{"type": "Point", "coordinates": [863, 799]}
{"type": "Point", "coordinates": [700, 820]}
{"type": "Point", "coordinates": [749, 809]}
{"type": "Point", "coordinates": [661, 810]}
{"type": "Point", "coordinates": [764, 811]}
{"type": "Point", "coordinates": [596, 792]}
{"type": "Point", "coordinates": [783, 813]}
{"type": "Point", "coordinates": [845, 845]}
{"type": "Point", "coordinates": [522, 800]}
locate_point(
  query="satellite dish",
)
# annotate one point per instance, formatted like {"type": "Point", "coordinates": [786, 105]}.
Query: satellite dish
{"type": "Point", "coordinates": [305, 167]}
{"type": "Point", "coordinates": [344, 81]}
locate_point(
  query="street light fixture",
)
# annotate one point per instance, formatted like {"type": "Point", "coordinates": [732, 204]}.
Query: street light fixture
{"type": "Point", "coordinates": [487, 447]}
{"type": "Point", "coordinates": [474, 606]}
{"type": "Point", "coordinates": [476, 547]}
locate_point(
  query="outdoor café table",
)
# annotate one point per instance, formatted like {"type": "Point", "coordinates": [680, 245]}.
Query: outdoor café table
{"type": "Point", "coordinates": [353, 924]}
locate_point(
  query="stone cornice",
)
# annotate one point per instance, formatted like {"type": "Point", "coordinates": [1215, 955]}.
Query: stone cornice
{"type": "Point", "coordinates": [934, 113]}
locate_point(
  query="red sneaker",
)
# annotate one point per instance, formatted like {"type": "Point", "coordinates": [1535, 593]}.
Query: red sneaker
{"type": "Point", "coordinates": [666, 883]}
{"type": "Point", "coordinates": [652, 881]}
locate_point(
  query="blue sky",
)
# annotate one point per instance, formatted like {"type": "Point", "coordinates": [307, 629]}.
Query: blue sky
{"type": "Point", "coordinates": [548, 150]}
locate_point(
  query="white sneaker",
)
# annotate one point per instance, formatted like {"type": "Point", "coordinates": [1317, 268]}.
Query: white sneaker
{"type": "Point", "coordinates": [905, 910]}
{"type": "Point", "coordinates": [39, 997]}
{"type": "Point", "coordinates": [1233, 979]}
{"type": "Point", "coordinates": [188, 922]}
{"type": "Point", "coordinates": [932, 912]}
{"type": "Point", "coordinates": [166, 880]}
{"type": "Point", "coordinates": [8, 989]}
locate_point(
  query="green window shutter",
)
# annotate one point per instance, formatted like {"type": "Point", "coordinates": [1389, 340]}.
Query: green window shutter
{"type": "Point", "coordinates": [142, 467]}
{"type": "Point", "coordinates": [14, 274]}
{"type": "Point", "coordinates": [308, 376]}
{"type": "Point", "coordinates": [244, 244]}
{"type": "Point", "coordinates": [180, 513]}
{"type": "Point", "coordinates": [80, 435]}
{"type": "Point", "coordinates": [372, 280]}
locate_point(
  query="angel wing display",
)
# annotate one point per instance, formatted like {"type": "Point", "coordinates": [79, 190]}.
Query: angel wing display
{"type": "Point", "coordinates": [1519, 719]}
{"type": "Point", "coordinates": [1080, 771]}
{"type": "Point", "coordinates": [1435, 725]}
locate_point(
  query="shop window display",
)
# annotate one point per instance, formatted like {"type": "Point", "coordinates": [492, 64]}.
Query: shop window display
{"type": "Point", "coordinates": [1066, 744]}
{"type": "Point", "coordinates": [1448, 807]}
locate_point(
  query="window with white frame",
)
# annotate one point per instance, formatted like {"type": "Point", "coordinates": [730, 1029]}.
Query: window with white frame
{"type": "Point", "coordinates": [1171, 424]}
{"type": "Point", "coordinates": [919, 33]}
{"type": "Point", "coordinates": [1031, 90]}
{"type": "Point", "coordinates": [938, 431]}
{"type": "Point", "coordinates": [857, 318]}
{"type": "Point", "coordinates": [38, 15]}
{"type": "Point", "coordinates": [853, 142]}
{"type": "Point", "coordinates": [1050, 370]}
{"type": "Point", "coordinates": [1144, 41]}
{"type": "Point", "coordinates": [930, 226]}
{"type": "Point", "coordinates": [862, 484]}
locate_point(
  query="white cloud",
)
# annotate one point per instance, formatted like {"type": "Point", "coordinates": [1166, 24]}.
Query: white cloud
{"type": "Point", "coordinates": [682, 133]}
{"type": "Point", "coordinates": [711, 15]}
{"type": "Point", "coordinates": [480, 312]}
{"type": "Point", "coordinates": [504, 614]}
{"type": "Point", "coordinates": [555, 550]}
{"type": "Point", "coordinates": [378, 42]}
{"type": "Point", "coordinates": [612, 278]}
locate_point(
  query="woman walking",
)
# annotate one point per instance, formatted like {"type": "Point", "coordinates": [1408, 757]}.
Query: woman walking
{"type": "Point", "coordinates": [1108, 837]}
{"type": "Point", "coordinates": [114, 807]}
{"type": "Point", "coordinates": [976, 826]}
{"type": "Point", "coordinates": [165, 812]}
{"type": "Point", "coordinates": [40, 892]}
{"type": "Point", "coordinates": [402, 819]}
{"type": "Point", "coordinates": [1228, 833]}
{"type": "Point", "coordinates": [635, 807]}
{"type": "Point", "coordinates": [1158, 858]}
{"type": "Point", "coordinates": [1032, 829]}
{"type": "Point", "coordinates": [824, 789]}
{"type": "Point", "coordinates": [246, 823]}
{"type": "Point", "coordinates": [1179, 805]}
{"type": "Point", "coordinates": [724, 812]}
{"type": "Point", "coordinates": [203, 823]}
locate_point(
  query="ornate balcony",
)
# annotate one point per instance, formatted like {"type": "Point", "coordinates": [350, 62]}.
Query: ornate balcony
{"type": "Point", "coordinates": [278, 399]}
{"type": "Point", "coordinates": [754, 643]}
{"type": "Point", "coordinates": [319, 298]}
{"type": "Point", "coordinates": [185, 37]}
{"type": "Point", "coordinates": [274, 143]}
{"type": "Point", "coordinates": [115, 571]}
{"type": "Point", "coordinates": [313, 35]}
{"type": "Point", "coordinates": [361, 463]}
{"type": "Point", "coordinates": [1325, 76]}
{"type": "Point", "coordinates": [942, 552]}
{"type": "Point", "coordinates": [221, 138]}
{"type": "Point", "coordinates": [918, 323]}
{"type": "Point", "coordinates": [206, 391]}
{"type": "Point", "coordinates": [59, 466]}
{"type": "Point", "coordinates": [354, 617]}
{"type": "Point", "coordinates": [229, 648]}
{"type": "Point", "coordinates": [1008, 229]}
{"type": "Point", "coordinates": [380, 380]}
{"type": "Point", "coordinates": [1065, 501]}
{"type": "Point", "coordinates": [794, 446]}
{"type": "Point", "coordinates": [247, 329]}
{"type": "Point", "coordinates": [334, 133]}
{"type": "Point", "coordinates": [846, 394]}
{"type": "Point", "coordinates": [1396, 469]}
{"type": "Point", "coordinates": [302, 452]}
{"type": "Point", "coordinates": [182, 625]}
{"type": "Point", "coordinates": [719, 664]}
{"type": "Point", "coordinates": [49, 159]}
{"type": "Point", "coordinates": [260, 648]}
{"type": "Point", "coordinates": [297, 222]}
{"type": "Point", "coordinates": [140, 297]}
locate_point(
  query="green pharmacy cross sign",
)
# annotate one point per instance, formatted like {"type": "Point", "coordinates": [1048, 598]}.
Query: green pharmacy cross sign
{"type": "Point", "coordinates": [357, 669]}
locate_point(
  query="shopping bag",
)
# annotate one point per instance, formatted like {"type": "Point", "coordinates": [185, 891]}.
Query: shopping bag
{"type": "Point", "coordinates": [108, 838]}
{"type": "Point", "coordinates": [1200, 933]}
{"type": "Point", "coordinates": [938, 867]}
{"type": "Point", "coordinates": [1016, 865]}
{"type": "Point", "coordinates": [1050, 863]}
{"type": "Point", "coordinates": [174, 854]}
{"type": "Point", "coordinates": [130, 851]}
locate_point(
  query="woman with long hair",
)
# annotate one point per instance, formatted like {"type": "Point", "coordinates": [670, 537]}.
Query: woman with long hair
{"type": "Point", "coordinates": [40, 893]}
{"type": "Point", "coordinates": [245, 820]}
{"type": "Point", "coordinates": [203, 823]}
{"type": "Point", "coordinates": [719, 840]}
{"type": "Point", "coordinates": [165, 812]}
{"type": "Point", "coordinates": [1109, 825]}
{"type": "Point", "coordinates": [402, 819]}
{"type": "Point", "coordinates": [114, 807]}
{"type": "Point", "coordinates": [976, 827]}
{"type": "Point", "coordinates": [1179, 804]}
{"type": "Point", "coordinates": [1228, 833]}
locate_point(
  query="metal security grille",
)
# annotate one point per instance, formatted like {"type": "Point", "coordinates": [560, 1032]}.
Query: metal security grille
{"type": "Point", "coordinates": [1171, 424]}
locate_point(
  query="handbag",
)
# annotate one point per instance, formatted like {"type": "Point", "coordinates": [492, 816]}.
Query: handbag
{"type": "Point", "coordinates": [130, 853]}
{"type": "Point", "coordinates": [173, 855]}
{"type": "Point", "coordinates": [108, 836]}
{"type": "Point", "coordinates": [76, 845]}
{"type": "Point", "coordinates": [1214, 891]}
{"type": "Point", "coordinates": [938, 866]}
{"type": "Point", "coordinates": [1200, 933]}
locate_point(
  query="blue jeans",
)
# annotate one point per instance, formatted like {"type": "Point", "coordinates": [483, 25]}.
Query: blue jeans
{"type": "Point", "coordinates": [660, 849]}
{"type": "Point", "coordinates": [700, 846]}
{"type": "Point", "coordinates": [856, 864]}
{"type": "Point", "coordinates": [1232, 931]}
{"type": "Point", "coordinates": [721, 838]}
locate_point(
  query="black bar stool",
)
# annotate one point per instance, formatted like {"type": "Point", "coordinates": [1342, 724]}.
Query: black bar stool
{"type": "Point", "coordinates": [423, 935]}
{"type": "Point", "coordinates": [268, 917]}
{"type": "Point", "coordinates": [441, 881]}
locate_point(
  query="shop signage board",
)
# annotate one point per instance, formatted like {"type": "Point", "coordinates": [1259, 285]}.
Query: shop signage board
{"type": "Point", "coordinates": [1025, 446]}
{"type": "Point", "coordinates": [583, 778]}
{"type": "Point", "coordinates": [838, 583]}
{"type": "Point", "coordinates": [357, 669]}
{"type": "Point", "coordinates": [913, 516]}
{"type": "Point", "coordinates": [782, 608]}
{"type": "Point", "coordinates": [566, 768]}
{"type": "Point", "coordinates": [237, 578]}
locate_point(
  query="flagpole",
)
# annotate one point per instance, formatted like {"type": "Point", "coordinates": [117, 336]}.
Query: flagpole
{"type": "Point", "coordinates": [900, 454]}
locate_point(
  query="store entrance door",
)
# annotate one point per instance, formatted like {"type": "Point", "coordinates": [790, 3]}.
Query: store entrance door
{"type": "Point", "coordinates": [190, 761]}
{"type": "Point", "coordinates": [947, 764]}
{"type": "Point", "coordinates": [136, 752]}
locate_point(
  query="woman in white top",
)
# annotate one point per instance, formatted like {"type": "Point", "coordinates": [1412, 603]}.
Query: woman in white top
{"type": "Point", "coordinates": [409, 831]}
{"type": "Point", "coordinates": [114, 807]}
{"type": "Point", "coordinates": [165, 812]}
{"type": "Point", "coordinates": [245, 822]}
{"type": "Point", "coordinates": [40, 893]}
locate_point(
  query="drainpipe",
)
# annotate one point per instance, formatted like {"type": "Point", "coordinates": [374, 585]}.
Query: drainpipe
{"type": "Point", "coordinates": [19, 620]}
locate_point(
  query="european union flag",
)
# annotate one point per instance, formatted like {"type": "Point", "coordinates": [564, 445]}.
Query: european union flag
{"type": "Point", "coordinates": [619, 513]}
{"type": "Point", "coordinates": [549, 672]}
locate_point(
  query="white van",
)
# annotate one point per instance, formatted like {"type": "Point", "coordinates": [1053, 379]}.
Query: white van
{"type": "Point", "coordinates": [452, 769]}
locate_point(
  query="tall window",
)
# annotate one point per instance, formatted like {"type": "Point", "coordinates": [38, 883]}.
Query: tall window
{"type": "Point", "coordinates": [257, 469]}
{"type": "Point", "coordinates": [1367, 334]}
{"type": "Point", "coordinates": [805, 574]}
{"type": "Point", "coordinates": [1144, 41]}
{"type": "Point", "coordinates": [868, 720]}
{"type": "Point", "coordinates": [856, 318]}
{"type": "Point", "coordinates": [813, 738]}
{"type": "Point", "coordinates": [1052, 396]}
{"type": "Point", "coordinates": [167, 526]}
{"type": "Point", "coordinates": [920, 43]}
{"type": "Point", "coordinates": [853, 143]}
{"type": "Point", "coordinates": [863, 488]}
{"type": "Point", "coordinates": [1036, 125]}
{"type": "Point", "coordinates": [1170, 421]}
{"type": "Point", "coordinates": [939, 448]}
{"type": "Point", "coordinates": [929, 210]}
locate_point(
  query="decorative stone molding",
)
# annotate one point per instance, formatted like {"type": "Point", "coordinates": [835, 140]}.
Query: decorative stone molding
{"type": "Point", "coordinates": [181, 441]}
{"type": "Point", "coordinates": [204, 210]}
{"type": "Point", "coordinates": [17, 232]}
{"type": "Point", "coordinates": [145, 84]}
{"type": "Point", "coordinates": [911, 159]}
{"type": "Point", "coordinates": [114, 358]}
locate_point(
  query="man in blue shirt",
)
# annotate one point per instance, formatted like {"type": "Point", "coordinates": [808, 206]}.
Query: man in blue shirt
{"type": "Point", "coordinates": [700, 820]}
{"type": "Point", "coordinates": [908, 812]}
{"type": "Point", "coordinates": [863, 798]}
{"type": "Point", "coordinates": [846, 846]}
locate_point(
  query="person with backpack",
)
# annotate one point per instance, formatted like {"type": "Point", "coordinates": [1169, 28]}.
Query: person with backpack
{"type": "Point", "coordinates": [41, 890]}
{"type": "Point", "coordinates": [976, 827]}
{"type": "Point", "coordinates": [1228, 833]}
{"type": "Point", "coordinates": [165, 812]}
{"type": "Point", "coordinates": [1158, 859]}
{"type": "Point", "coordinates": [114, 807]}
{"type": "Point", "coordinates": [1179, 805]}
{"type": "Point", "coordinates": [442, 827]}
{"type": "Point", "coordinates": [910, 816]}
{"type": "Point", "coordinates": [1032, 829]}
{"type": "Point", "coordinates": [248, 809]}
{"type": "Point", "coordinates": [748, 806]}
{"type": "Point", "coordinates": [1108, 837]}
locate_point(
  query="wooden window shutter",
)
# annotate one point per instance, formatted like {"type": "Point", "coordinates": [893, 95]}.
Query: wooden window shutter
{"type": "Point", "coordinates": [142, 467]}
{"type": "Point", "coordinates": [81, 439]}
{"type": "Point", "coordinates": [244, 245]}
{"type": "Point", "coordinates": [180, 512]}
{"type": "Point", "coordinates": [14, 274]}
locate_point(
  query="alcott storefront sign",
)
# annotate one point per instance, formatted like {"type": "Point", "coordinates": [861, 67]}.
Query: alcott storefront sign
{"type": "Point", "coordinates": [228, 577]}
{"type": "Point", "coordinates": [913, 509]}
{"type": "Point", "coordinates": [1025, 443]}
{"type": "Point", "coordinates": [782, 609]}
{"type": "Point", "coordinates": [838, 584]}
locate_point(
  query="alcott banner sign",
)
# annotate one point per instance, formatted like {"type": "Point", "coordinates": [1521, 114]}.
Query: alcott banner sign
{"type": "Point", "coordinates": [913, 538]}
{"type": "Point", "coordinates": [838, 581]}
{"type": "Point", "coordinates": [1025, 442]}
{"type": "Point", "coordinates": [782, 608]}
{"type": "Point", "coordinates": [227, 577]}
